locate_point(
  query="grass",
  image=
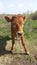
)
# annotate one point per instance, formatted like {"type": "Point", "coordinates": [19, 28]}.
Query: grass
{"type": "Point", "coordinates": [29, 33]}
{"type": "Point", "coordinates": [4, 28]}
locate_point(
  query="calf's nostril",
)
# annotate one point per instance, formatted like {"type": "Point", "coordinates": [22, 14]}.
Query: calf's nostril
{"type": "Point", "coordinates": [19, 34]}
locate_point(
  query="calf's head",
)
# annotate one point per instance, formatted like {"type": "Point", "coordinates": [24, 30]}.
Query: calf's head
{"type": "Point", "coordinates": [17, 22]}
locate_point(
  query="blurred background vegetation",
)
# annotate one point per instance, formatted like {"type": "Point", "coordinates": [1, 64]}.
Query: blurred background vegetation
{"type": "Point", "coordinates": [30, 29]}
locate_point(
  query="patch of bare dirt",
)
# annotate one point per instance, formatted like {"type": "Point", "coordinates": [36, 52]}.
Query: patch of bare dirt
{"type": "Point", "coordinates": [8, 58]}
{"type": "Point", "coordinates": [17, 58]}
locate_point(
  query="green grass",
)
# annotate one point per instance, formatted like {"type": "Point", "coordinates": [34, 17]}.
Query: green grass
{"type": "Point", "coordinates": [29, 33]}
{"type": "Point", "coordinates": [4, 28]}
{"type": "Point", "coordinates": [28, 28]}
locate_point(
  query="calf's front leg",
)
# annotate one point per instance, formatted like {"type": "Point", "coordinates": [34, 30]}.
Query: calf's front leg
{"type": "Point", "coordinates": [13, 41]}
{"type": "Point", "coordinates": [24, 45]}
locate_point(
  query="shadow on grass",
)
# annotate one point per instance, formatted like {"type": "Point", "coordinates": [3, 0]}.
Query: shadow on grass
{"type": "Point", "coordinates": [3, 45]}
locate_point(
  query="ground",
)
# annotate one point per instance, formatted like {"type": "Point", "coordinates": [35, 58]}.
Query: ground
{"type": "Point", "coordinates": [18, 56]}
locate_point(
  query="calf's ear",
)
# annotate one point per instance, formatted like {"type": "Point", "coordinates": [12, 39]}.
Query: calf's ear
{"type": "Point", "coordinates": [7, 19]}
{"type": "Point", "coordinates": [24, 18]}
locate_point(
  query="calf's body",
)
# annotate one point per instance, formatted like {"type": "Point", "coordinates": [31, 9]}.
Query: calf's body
{"type": "Point", "coordinates": [17, 22]}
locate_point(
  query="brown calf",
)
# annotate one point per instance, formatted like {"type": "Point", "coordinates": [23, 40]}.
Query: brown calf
{"type": "Point", "coordinates": [17, 22]}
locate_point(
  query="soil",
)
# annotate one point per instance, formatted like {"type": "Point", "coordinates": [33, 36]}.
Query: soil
{"type": "Point", "coordinates": [16, 58]}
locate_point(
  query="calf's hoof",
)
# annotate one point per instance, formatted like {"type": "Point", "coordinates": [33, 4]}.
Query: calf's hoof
{"type": "Point", "coordinates": [27, 53]}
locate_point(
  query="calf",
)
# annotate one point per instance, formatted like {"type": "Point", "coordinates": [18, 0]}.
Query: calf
{"type": "Point", "coordinates": [17, 22]}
